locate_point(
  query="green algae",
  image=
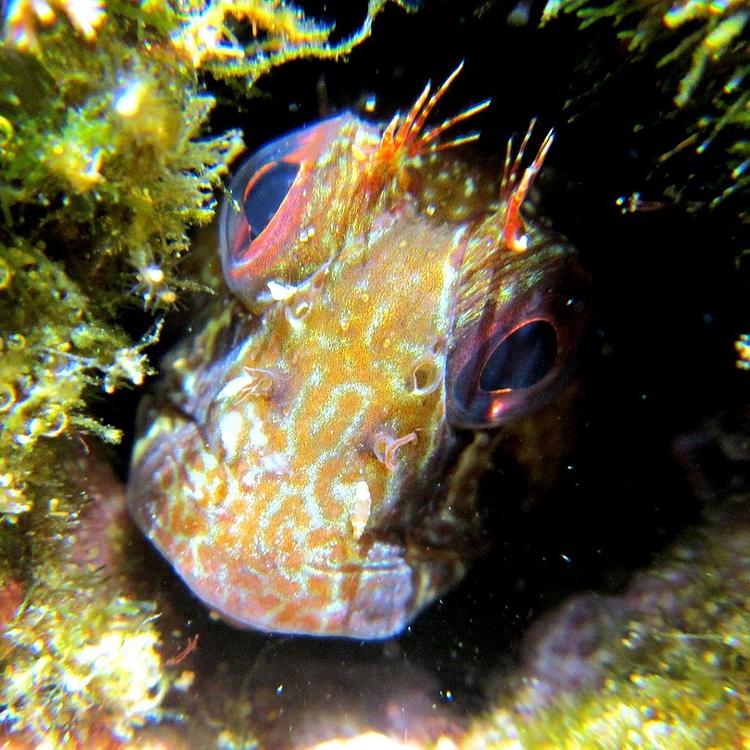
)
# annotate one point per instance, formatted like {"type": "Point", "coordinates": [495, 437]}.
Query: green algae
{"type": "Point", "coordinates": [698, 52]}
{"type": "Point", "coordinates": [54, 348]}
{"type": "Point", "coordinates": [109, 683]}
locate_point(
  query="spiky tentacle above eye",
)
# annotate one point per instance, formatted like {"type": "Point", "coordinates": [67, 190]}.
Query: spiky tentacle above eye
{"type": "Point", "coordinates": [343, 168]}
{"type": "Point", "coordinates": [513, 191]}
{"type": "Point", "coordinates": [404, 136]}
{"type": "Point", "coordinates": [490, 270]}
{"type": "Point", "coordinates": [520, 308]}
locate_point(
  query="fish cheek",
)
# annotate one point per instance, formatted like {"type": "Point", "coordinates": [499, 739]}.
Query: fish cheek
{"type": "Point", "coordinates": [169, 468]}
{"type": "Point", "coordinates": [176, 499]}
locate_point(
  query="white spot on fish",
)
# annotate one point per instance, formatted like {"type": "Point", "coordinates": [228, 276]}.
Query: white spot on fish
{"type": "Point", "coordinates": [360, 508]}
{"type": "Point", "coordinates": [281, 292]}
{"type": "Point", "coordinates": [275, 464]}
{"type": "Point", "coordinates": [230, 431]}
{"type": "Point", "coordinates": [256, 438]}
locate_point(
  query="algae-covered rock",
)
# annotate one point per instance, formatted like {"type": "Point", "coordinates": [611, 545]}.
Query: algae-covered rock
{"type": "Point", "coordinates": [663, 665]}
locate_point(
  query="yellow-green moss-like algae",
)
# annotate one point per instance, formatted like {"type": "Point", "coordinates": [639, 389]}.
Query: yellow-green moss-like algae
{"type": "Point", "coordinates": [80, 662]}
{"type": "Point", "coordinates": [699, 51]}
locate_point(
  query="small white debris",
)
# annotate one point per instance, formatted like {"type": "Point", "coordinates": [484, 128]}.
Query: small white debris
{"type": "Point", "coordinates": [153, 275]}
{"type": "Point", "coordinates": [361, 508]}
{"type": "Point", "coordinates": [281, 292]}
{"type": "Point", "coordinates": [230, 429]}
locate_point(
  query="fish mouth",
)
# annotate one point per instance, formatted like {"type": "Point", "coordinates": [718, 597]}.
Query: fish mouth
{"type": "Point", "coordinates": [354, 568]}
{"type": "Point", "coordinates": [376, 561]}
{"type": "Point", "coordinates": [387, 559]}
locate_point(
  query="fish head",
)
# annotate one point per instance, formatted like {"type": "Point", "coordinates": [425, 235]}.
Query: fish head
{"type": "Point", "coordinates": [310, 461]}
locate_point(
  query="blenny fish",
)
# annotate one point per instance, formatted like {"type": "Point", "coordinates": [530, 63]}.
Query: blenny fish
{"type": "Point", "coordinates": [309, 462]}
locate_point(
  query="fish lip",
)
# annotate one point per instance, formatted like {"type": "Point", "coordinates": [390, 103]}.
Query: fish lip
{"type": "Point", "coordinates": [375, 557]}
{"type": "Point", "coordinates": [356, 567]}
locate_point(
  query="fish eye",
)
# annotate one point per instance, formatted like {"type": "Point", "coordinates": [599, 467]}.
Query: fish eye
{"type": "Point", "coordinates": [264, 194]}
{"type": "Point", "coordinates": [504, 374]}
{"type": "Point", "coordinates": [258, 192]}
{"type": "Point", "coordinates": [521, 359]}
{"type": "Point", "coordinates": [262, 216]}
{"type": "Point", "coordinates": [518, 352]}
{"type": "Point", "coordinates": [516, 358]}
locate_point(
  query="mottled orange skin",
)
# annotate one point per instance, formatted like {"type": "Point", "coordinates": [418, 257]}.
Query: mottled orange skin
{"type": "Point", "coordinates": [262, 471]}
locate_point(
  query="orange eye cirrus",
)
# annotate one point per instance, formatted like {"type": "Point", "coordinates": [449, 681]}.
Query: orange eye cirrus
{"type": "Point", "coordinates": [265, 209]}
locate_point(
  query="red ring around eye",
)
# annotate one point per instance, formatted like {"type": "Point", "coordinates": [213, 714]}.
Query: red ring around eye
{"type": "Point", "coordinates": [264, 215]}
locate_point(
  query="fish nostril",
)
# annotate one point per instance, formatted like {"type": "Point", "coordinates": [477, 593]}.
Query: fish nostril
{"type": "Point", "coordinates": [426, 375]}
{"type": "Point", "coordinates": [297, 312]}
{"type": "Point", "coordinates": [301, 309]}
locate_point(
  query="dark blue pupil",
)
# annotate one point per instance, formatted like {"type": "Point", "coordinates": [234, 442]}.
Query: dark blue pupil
{"type": "Point", "coordinates": [267, 194]}
{"type": "Point", "coordinates": [522, 359]}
